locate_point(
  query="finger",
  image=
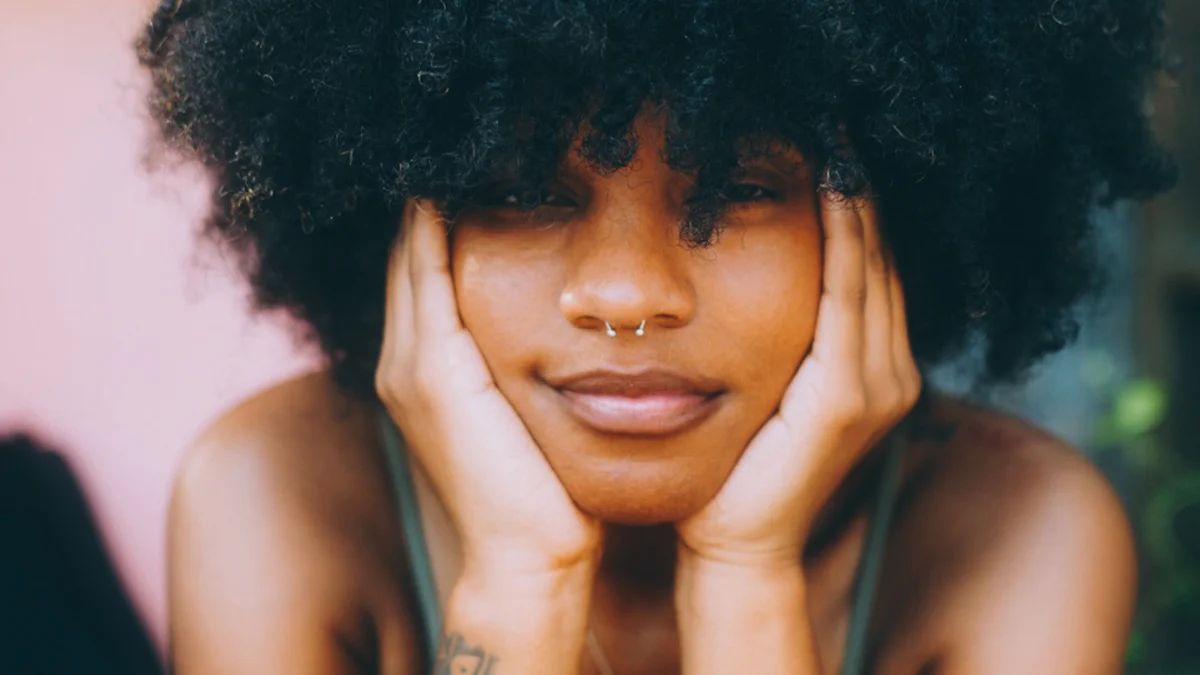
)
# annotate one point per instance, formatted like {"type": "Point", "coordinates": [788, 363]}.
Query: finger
{"type": "Point", "coordinates": [902, 357]}
{"type": "Point", "coordinates": [838, 339]}
{"type": "Point", "coordinates": [398, 315]}
{"type": "Point", "coordinates": [434, 304]}
{"type": "Point", "coordinates": [878, 354]}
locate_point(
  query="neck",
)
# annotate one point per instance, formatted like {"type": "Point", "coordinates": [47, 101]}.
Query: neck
{"type": "Point", "coordinates": [639, 557]}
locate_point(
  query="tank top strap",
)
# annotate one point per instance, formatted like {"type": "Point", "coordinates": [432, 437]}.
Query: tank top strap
{"type": "Point", "coordinates": [415, 546]}
{"type": "Point", "coordinates": [866, 579]}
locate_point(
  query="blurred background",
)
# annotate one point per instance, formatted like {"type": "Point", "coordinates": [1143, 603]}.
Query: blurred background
{"type": "Point", "coordinates": [120, 340]}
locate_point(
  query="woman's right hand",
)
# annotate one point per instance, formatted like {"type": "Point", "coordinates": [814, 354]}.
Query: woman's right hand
{"type": "Point", "coordinates": [512, 512]}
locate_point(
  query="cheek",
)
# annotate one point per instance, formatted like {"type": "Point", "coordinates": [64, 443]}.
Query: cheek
{"type": "Point", "coordinates": [503, 292]}
{"type": "Point", "coordinates": [765, 297]}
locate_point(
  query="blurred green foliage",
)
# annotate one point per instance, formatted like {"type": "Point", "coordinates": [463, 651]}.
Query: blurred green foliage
{"type": "Point", "coordinates": [1165, 509]}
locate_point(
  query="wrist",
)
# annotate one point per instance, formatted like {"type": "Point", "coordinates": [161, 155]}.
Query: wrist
{"type": "Point", "coordinates": [709, 585]}
{"type": "Point", "coordinates": [524, 562]}
{"type": "Point", "coordinates": [765, 558]}
{"type": "Point", "coordinates": [742, 615]}
{"type": "Point", "coordinates": [533, 623]}
{"type": "Point", "coordinates": [705, 568]}
{"type": "Point", "coordinates": [530, 576]}
{"type": "Point", "coordinates": [517, 605]}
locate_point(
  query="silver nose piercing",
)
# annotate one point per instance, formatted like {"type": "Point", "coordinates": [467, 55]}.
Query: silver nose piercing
{"type": "Point", "coordinates": [612, 332]}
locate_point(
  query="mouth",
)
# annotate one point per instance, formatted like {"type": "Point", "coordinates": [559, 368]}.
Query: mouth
{"type": "Point", "coordinates": [638, 403]}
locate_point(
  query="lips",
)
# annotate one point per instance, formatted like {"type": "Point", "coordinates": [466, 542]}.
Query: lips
{"type": "Point", "coordinates": [651, 402]}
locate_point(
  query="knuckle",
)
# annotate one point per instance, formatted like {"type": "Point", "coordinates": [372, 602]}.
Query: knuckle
{"type": "Point", "coordinates": [849, 407]}
{"type": "Point", "coordinates": [912, 394]}
{"type": "Point", "coordinates": [383, 387]}
{"type": "Point", "coordinates": [892, 403]}
{"type": "Point", "coordinates": [913, 383]}
{"type": "Point", "coordinates": [900, 407]}
{"type": "Point", "coordinates": [385, 380]}
{"type": "Point", "coordinates": [426, 378]}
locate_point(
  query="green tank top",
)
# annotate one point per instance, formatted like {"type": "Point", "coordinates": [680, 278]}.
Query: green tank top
{"type": "Point", "coordinates": [865, 582]}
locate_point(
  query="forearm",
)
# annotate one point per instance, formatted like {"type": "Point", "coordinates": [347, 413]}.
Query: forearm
{"type": "Point", "coordinates": [738, 619]}
{"type": "Point", "coordinates": [499, 624]}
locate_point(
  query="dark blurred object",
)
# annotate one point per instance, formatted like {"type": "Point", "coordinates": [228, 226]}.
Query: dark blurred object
{"type": "Point", "coordinates": [62, 609]}
{"type": "Point", "coordinates": [1167, 502]}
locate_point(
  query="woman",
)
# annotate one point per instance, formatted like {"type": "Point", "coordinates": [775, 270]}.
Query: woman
{"type": "Point", "coordinates": [624, 303]}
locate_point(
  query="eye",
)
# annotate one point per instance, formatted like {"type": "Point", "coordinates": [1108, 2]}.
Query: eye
{"type": "Point", "coordinates": [742, 193]}
{"type": "Point", "coordinates": [531, 198]}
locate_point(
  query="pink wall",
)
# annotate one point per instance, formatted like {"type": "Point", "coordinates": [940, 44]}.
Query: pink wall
{"type": "Point", "coordinates": [116, 343]}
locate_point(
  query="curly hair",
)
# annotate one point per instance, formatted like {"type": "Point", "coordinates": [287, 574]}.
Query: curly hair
{"type": "Point", "coordinates": [987, 130]}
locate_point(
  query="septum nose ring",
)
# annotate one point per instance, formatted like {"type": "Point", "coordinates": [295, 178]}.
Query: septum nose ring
{"type": "Point", "coordinates": [612, 332]}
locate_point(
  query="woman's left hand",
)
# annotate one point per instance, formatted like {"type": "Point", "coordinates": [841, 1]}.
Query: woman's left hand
{"type": "Point", "coordinates": [857, 382]}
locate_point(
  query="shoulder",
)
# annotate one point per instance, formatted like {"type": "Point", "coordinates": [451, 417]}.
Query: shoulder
{"type": "Point", "coordinates": [283, 537]}
{"type": "Point", "coordinates": [302, 445]}
{"type": "Point", "coordinates": [292, 431]}
{"type": "Point", "coordinates": [1025, 547]}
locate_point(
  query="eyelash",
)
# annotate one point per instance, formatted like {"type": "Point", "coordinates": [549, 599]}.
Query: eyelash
{"type": "Point", "coordinates": [760, 193]}
{"type": "Point", "coordinates": [512, 199]}
{"type": "Point", "coordinates": [733, 193]}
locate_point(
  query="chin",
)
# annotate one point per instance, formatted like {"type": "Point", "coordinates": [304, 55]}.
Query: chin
{"type": "Point", "coordinates": [641, 495]}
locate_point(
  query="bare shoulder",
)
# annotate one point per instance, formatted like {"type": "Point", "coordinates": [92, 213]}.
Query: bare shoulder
{"type": "Point", "coordinates": [1020, 544]}
{"type": "Point", "coordinates": [283, 540]}
{"type": "Point", "coordinates": [302, 444]}
{"type": "Point", "coordinates": [303, 431]}
{"type": "Point", "coordinates": [1017, 478]}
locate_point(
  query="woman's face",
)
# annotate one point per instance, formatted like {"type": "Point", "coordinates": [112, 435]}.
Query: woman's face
{"type": "Point", "coordinates": [643, 429]}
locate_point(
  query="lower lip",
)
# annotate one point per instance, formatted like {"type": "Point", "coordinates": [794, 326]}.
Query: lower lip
{"type": "Point", "coordinates": [652, 415]}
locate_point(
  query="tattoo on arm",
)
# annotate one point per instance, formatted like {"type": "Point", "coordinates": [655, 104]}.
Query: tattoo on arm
{"type": "Point", "coordinates": [457, 657]}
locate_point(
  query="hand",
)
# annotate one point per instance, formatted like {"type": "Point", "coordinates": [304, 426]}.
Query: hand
{"type": "Point", "coordinates": [511, 511]}
{"type": "Point", "coordinates": [857, 382]}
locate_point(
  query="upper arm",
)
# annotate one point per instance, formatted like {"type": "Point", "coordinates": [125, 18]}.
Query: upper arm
{"type": "Point", "coordinates": [271, 570]}
{"type": "Point", "coordinates": [1057, 594]}
{"type": "Point", "coordinates": [243, 597]}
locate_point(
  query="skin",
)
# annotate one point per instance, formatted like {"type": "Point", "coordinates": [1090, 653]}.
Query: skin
{"type": "Point", "coordinates": [1008, 552]}
{"type": "Point", "coordinates": [612, 251]}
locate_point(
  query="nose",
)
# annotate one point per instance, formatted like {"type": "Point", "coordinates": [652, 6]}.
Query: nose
{"type": "Point", "coordinates": [629, 273]}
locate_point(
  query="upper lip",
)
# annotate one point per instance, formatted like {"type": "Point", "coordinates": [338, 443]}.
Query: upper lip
{"type": "Point", "coordinates": [632, 383]}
